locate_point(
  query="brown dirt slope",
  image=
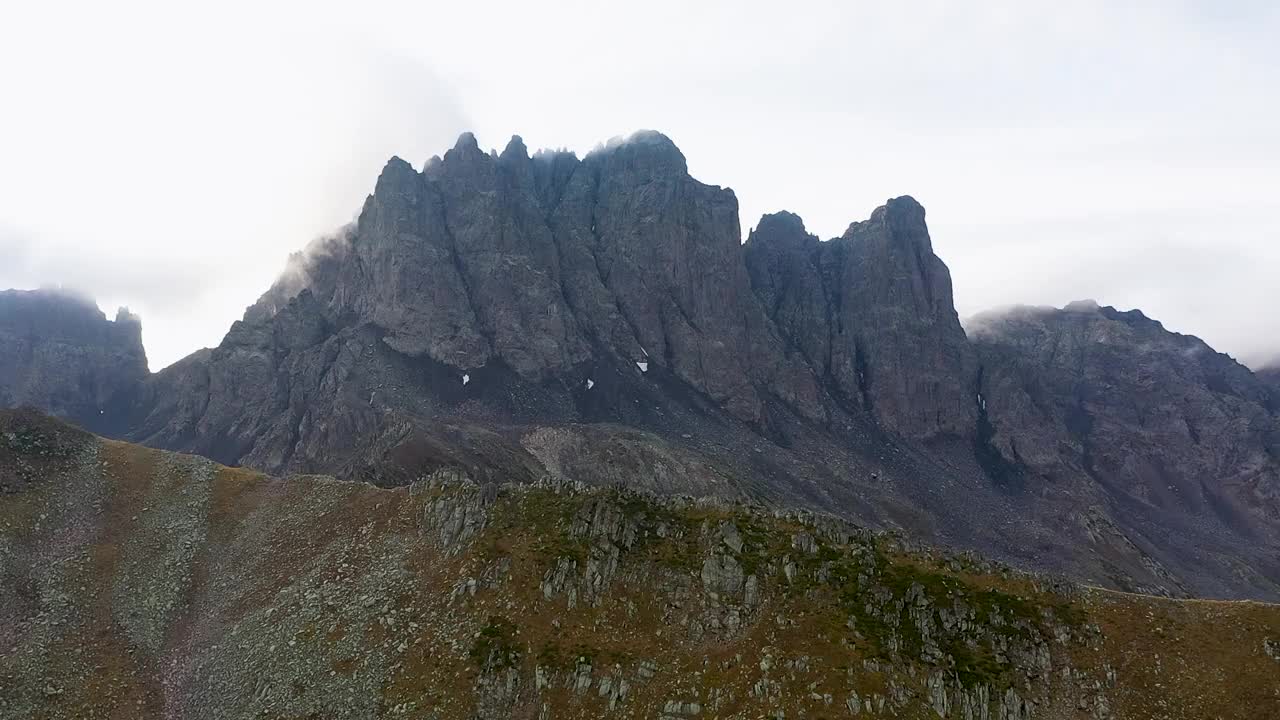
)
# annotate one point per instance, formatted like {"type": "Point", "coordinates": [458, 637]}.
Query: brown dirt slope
{"type": "Point", "coordinates": [139, 583]}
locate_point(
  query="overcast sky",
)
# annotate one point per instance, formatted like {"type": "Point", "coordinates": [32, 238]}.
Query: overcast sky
{"type": "Point", "coordinates": [1123, 151]}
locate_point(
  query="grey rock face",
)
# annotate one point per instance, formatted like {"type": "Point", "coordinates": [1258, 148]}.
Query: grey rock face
{"type": "Point", "coordinates": [1087, 386]}
{"type": "Point", "coordinates": [548, 263]}
{"type": "Point", "coordinates": [667, 248]}
{"type": "Point", "coordinates": [1091, 397]}
{"type": "Point", "coordinates": [408, 277]}
{"type": "Point", "coordinates": [59, 353]}
{"type": "Point", "coordinates": [534, 272]}
{"type": "Point", "coordinates": [595, 320]}
{"type": "Point", "coordinates": [872, 312]}
{"type": "Point", "coordinates": [914, 345]}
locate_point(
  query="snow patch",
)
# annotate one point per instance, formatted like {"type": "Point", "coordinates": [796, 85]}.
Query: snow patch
{"type": "Point", "coordinates": [643, 365]}
{"type": "Point", "coordinates": [590, 383]}
{"type": "Point", "coordinates": [465, 378]}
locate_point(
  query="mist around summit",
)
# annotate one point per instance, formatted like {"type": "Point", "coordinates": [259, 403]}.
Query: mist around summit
{"type": "Point", "coordinates": [916, 361]}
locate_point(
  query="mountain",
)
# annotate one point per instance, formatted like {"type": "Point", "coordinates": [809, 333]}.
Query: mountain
{"type": "Point", "coordinates": [60, 353]}
{"type": "Point", "coordinates": [1116, 411]}
{"type": "Point", "coordinates": [872, 313]}
{"type": "Point", "coordinates": [597, 320]}
{"type": "Point", "coordinates": [142, 583]}
{"type": "Point", "coordinates": [1271, 376]}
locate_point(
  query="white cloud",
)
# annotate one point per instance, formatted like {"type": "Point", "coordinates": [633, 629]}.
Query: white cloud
{"type": "Point", "coordinates": [1122, 151]}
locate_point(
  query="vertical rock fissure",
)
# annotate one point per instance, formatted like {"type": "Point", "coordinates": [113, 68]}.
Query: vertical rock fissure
{"type": "Point", "coordinates": [1005, 474]}
{"type": "Point", "coordinates": [863, 372]}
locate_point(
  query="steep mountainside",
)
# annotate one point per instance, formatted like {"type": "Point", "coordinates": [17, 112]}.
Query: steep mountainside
{"type": "Point", "coordinates": [555, 274]}
{"type": "Point", "coordinates": [1271, 376]}
{"type": "Point", "coordinates": [139, 583]}
{"type": "Point", "coordinates": [596, 320]}
{"type": "Point", "coordinates": [1181, 440]}
{"type": "Point", "coordinates": [59, 352]}
{"type": "Point", "coordinates": [872, 313]}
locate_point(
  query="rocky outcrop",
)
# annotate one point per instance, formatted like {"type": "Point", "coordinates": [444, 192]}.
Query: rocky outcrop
{"type": "Point", "coordinates": [564, 289]}
{"type": "Point", "coordinates": [548, 265]}
{"type": "Point", "coordinates": [1088, 386]}
{"type": "Point", "coordinates": [872, 312]}
{"type": "Point", "coordinates": [517, 317]}
{"type": "Point", "coordinates": [1175, 435]}
{"type": "Point", "coordinates": [59, 353]}
{"type": "Point", "coordinates": [610, 279]}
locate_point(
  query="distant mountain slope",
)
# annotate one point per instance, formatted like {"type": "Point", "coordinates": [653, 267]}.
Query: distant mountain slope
{"type": "Point", "coordinates": [518, 317]}
{"type": "Point", "coordinates": [1271, 376]}
{"type": "Point", "coordinates": [143, 583]}
{"type": "Point", "coordinates": [1179, 441]}
{"type": "Point", "coordinates": [59, 352]}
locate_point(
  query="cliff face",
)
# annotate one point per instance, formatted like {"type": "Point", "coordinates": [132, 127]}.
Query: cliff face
{"type": "Point", "coordinates": [547, 265]}
{"type": "Point", "coordinates": [1113, 393]}
{"type": "Point", "coordinates": [141, 583]}
{"type": "Point", "coordinates": [1176, 435]}
{"type": "Point", "coordinates": [873, 314]}
{"type": "Point", "coordinates": [590, 284]}
{"type": "Point", "coordinates": [499, 287]}
{"type": "Point", "coordinates": [596, 320]}
{"type": "Point", "coordinates": [1118, 397]}
{"type": "Point", "coordinates": [58, 352]}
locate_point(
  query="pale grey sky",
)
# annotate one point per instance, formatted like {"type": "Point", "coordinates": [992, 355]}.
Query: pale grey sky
{"type": "Point", "coordinates": [170, 159]}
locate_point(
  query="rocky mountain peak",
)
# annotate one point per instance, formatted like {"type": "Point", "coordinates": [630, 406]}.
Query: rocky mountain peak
{"type": "Point", "coordinates": [780, 227]}
{"type": "Point", "coordinates": [1082, 306]}
{"type": "Point", "coordinates": [125, 317]}
{"type": "Point", "coordinates": [398, 178]}
{"type": "Point", "coordinates": [903, 214]}
{"type": "Point", "coordinates": [900, 223]}
{"type": "Point", "coordinates": [515, 150]}
{"type": "Point", "coordinates": [645, 152]}
{"type": "Point", "coordinates": [872, 311]}
{"type": "Point", "coordinates": [60, 353]}
{"type": "Point", "coordinates": [466, 153]}
{"type": "Point", "coordinates": [466, 144]}
{"type": "Point", "coordinates": [599, 320]}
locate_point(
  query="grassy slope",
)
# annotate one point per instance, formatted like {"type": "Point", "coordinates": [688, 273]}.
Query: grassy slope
{"type": "Point", "coordinates": [137, 583]}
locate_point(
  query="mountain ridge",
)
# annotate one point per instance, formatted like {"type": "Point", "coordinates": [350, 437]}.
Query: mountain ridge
{"type": "Point", "coordinates": [598, 320]}
{"type": "Point", "coordinates": [59, 352]}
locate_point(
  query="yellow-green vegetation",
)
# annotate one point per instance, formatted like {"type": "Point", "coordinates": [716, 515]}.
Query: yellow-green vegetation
{"type": "Point", "coordinates": [496, 646]}
{"type": "Point", "coordinates": [138, 583]}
